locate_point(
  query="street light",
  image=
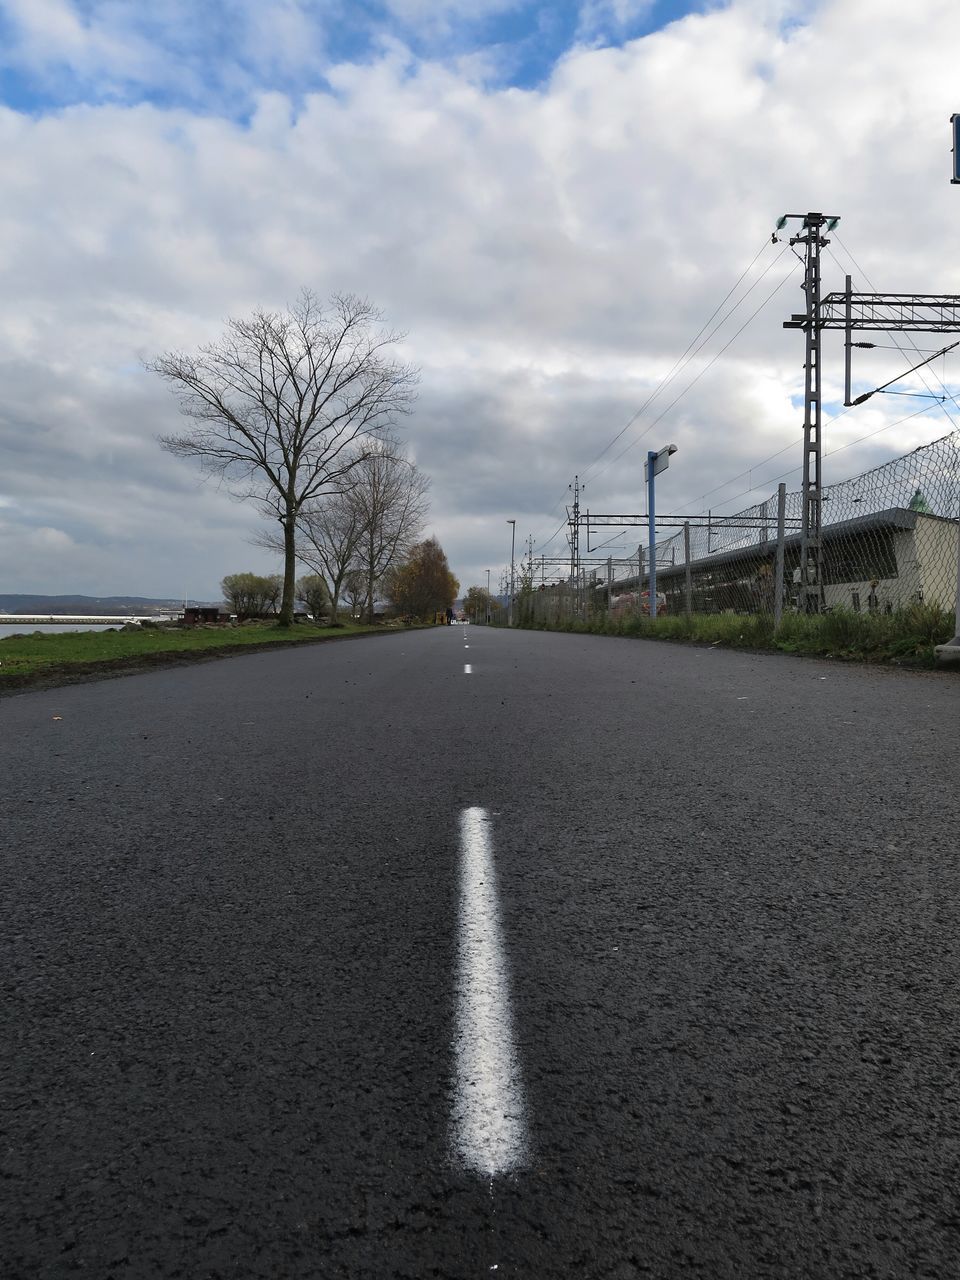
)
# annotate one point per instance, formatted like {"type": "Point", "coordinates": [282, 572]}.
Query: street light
{"type": "Point", "coordinates": [513, 543]}
{"type": "Point", "coordinates": [488, 597]}
{"type": "Point", "coordinates": [656, 462]}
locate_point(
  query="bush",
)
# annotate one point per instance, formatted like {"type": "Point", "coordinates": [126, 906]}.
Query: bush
{"type": "Point", "coordinates": [906, 635]}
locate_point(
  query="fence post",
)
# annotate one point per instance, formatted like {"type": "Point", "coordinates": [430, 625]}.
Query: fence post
{"type": "Point", "coordinates": [950, 652]}
{"type": "Point", "coordinates": [687, 573]}
{"type": "Point", "coordinates": [778, 564]}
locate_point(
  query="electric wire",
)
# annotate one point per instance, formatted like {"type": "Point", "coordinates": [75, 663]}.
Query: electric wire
{"type": "Point", "coordinates": [889, 333]}
{"type": "Point", "coordinates": [755, 466]}
{"type": "Point", "coordinates": [763, 484]}
{"type": "Point", "coordinates": [680, 364]}
{"type": "Point", "coordinates": [692, 349]}
{"type": "Point", "coordinates": [894, 346]}
{"type": "Point", "coordinates": [710, 363]}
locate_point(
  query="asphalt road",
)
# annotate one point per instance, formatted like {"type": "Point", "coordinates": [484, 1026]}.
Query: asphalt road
{"type": "Point", "coordinates": [233, 965]}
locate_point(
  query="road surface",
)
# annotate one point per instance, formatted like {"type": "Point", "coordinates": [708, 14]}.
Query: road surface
{"type": "Point", "coordinates": [467, 953]}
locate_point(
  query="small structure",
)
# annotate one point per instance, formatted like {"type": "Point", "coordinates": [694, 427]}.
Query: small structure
{"type": "Point", "coordinates": [195, 615]}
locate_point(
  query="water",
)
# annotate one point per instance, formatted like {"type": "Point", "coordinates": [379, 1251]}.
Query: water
{"type": "Point", "coordinates": [27, 628]}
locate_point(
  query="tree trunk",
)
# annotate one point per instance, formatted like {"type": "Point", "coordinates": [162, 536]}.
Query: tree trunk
{"type": "Point", "coordinates": [289, 572]}
{"type": "Point", "coordinates": [370, 575]}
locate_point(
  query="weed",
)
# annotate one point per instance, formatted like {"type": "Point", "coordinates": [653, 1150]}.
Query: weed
{"type": "Point", "coordinates": [907, 634]}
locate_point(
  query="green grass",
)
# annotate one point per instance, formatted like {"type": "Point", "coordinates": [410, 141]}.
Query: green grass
{"type": "Point", "coordinates": [906, 636]}
{"type": "Point", "coordinates": [37, 653]}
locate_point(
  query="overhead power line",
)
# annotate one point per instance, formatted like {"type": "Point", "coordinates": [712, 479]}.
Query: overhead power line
{"type": "Point", "coordinates": [704, 334]}
{"type": "Point", "coordinates": [762, 484]}
{"type": "Point", "coordinates": [691, 350]}
{"type": "Point", "coordinates": [889, 334]}
{"type": "Point", "coordinates": [709, 365]}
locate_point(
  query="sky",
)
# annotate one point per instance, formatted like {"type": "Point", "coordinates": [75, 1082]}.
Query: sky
{"type": "Point", "coordinates": [549, 200]}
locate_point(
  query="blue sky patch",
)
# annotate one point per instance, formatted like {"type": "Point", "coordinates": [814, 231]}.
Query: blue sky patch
{"type": "Point", "coordinates": [216, 56]}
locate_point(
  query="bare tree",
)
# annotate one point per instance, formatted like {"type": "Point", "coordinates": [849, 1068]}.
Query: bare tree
{"type": "Point", "coordinates": [252, 595]}
{"type": "Point", "coordinates": [281, 399]}
{"type": "Point", "coordinates": [355, 591]}
{"type": "Point", "coordinates": [388, 495]}
{"type": "Point", "coordinates": [367, 527]}
{"type": "Point", "coordinates": [327, 534]}
{"type": "Point", "coordinates": [312, 590]}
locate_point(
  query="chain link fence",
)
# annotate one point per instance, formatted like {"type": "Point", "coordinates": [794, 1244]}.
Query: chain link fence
{"type": "Point", "coordinates": [889, 543]}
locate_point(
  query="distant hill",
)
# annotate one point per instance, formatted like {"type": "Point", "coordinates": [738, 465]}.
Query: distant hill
{"type": "Point", "coordinates": [78, 605]}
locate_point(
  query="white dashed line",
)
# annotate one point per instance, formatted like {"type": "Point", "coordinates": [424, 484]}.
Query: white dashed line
{"type": "Point", "coordinates": [489, 1128]}
{"type": "Point", "coordinates": [467, 669]}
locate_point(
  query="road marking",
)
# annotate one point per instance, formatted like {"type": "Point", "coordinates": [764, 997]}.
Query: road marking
{"type": "Point", "coordinates": [489, 1128]}
{"type": "Point", "coordinates": [467, 669]}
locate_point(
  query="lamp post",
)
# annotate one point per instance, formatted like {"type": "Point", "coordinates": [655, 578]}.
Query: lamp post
{"type": "Point", "coordinates": [656, 462]}
{"type": "Point", "coordinates": [513, 543]}
{"type": "Point", "coordinates": [488, 597]}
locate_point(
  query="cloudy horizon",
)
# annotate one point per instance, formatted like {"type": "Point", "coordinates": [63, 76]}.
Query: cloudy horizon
{"type": "Point", "coordinates": [550, 200]}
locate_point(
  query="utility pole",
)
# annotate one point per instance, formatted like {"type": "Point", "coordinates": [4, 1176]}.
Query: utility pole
{"type": "Point", "coordinates": [811, 526]}
{"type": "Point", "coordinates": [575, 531]}
{"type": "Point", "coordinates": [513, 543]}
{"type": "Point", "coordinates": [853, 313]}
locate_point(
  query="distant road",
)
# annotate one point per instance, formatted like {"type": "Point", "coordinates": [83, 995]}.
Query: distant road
{"type": "Point", "coordinates": [550, 956]}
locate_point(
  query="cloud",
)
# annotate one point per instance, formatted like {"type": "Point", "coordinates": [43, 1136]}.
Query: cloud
{"type": "Point", "coordinates": [599, 20]}
{"type": "Point", "coordinates": [550, 251]}
{"type": "Point", "coordinates": [216, 55]}
{"type": "Point", "coordinates": [447, 15]}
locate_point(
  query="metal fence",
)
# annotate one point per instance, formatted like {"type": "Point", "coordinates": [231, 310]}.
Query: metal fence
{"type": "Point", "coordinates": [889, 538]}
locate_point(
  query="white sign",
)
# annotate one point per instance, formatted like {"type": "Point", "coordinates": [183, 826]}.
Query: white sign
{"type": "Point", "coordinates": [660, 462]}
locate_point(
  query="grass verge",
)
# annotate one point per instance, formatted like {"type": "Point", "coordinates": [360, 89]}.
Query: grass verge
{"type": "Point", "coordinates": [906, 637]}
{"type": "Point", "coordinates": [36, 659]}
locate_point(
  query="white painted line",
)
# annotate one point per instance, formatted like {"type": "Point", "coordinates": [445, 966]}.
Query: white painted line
{"type": "Point", "coordinates": [467, 669]}
{"type": "Point", "coordinates": [489, 1126]}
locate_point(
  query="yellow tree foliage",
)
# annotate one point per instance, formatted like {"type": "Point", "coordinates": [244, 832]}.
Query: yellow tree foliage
{"type": "Point", "coordinates": [423, 585]}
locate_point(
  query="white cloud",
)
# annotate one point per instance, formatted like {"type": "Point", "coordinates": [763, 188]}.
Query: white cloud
{"type": "Point", "coordinates": [52, 34]}
{"type": "Point", "coordinates": [602, 19]}
{"type": "Point", "coordinates": [551, 253]}
{"type": "Point", "coordinates": [217, 54]}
